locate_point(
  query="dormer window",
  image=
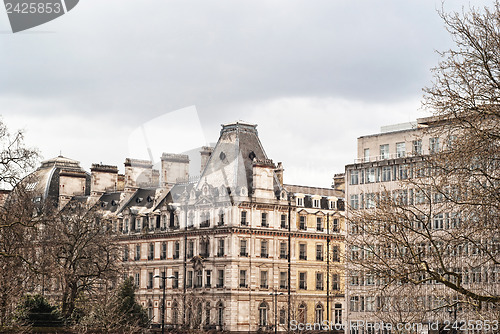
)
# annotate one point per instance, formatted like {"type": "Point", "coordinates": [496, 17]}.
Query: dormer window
{"type": "Point", "coordinates": [316, 203]}
{"type": "Point", "coordinates": [300, 201]}
{"type": "Point", "coordinates": [331, 205]}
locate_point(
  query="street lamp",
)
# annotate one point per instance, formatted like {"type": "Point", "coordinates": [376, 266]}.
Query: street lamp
{"type": "Point", "coordinates": [276, 294]}
{"type": "Point", "coordinates": [164, 278]}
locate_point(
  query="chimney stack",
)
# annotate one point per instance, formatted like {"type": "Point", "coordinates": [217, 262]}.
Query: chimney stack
{"type": "Point", "coordinates": [104, 178]}
{"type": "Point", "coordinates": [206, 152]}
{"type": "Point", "coordinates": [174, 169]}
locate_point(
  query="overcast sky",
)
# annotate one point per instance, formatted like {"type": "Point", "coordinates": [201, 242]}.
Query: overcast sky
{"type": "Point", "coordinates": [113, 77]}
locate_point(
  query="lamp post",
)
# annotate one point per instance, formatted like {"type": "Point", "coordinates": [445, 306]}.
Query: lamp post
{"type": "Point", "coordinates": [164, 278]}
{"type": "Point", "coordinates": [276, 294]}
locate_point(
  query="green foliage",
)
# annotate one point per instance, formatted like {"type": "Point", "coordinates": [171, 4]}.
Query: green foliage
{"type": "Point", "coordinates": [36, 311]}
{"type": "Point", "coordinates": [127, 307]}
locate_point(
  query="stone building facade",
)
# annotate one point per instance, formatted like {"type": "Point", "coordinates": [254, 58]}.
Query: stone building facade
{"type": "Point", "coordinates": [240, 250]}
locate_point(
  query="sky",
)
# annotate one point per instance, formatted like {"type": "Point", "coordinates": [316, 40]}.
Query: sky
{"type": "Point", "coordinates": [110, 79]}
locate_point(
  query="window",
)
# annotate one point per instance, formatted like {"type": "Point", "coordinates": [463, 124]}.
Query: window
{"type": "Point", "coordinates": [401, 150]}
{"type": "Point", "coordinates": [283, 280]}
{"type": "Point", "coordinates": [125, 253]}
{"type": "Point", "coordinates": [263, 314]}
{"type": "Point", "coordinates": [316, 203]}
{"type": "Point", "coordinates": [438, 221]}
{"type": "Point", "coordinates": [137, 252]}
{"type": "Point", "coordinates": [243, 247]}
{"type": "Point", "coordinates": [189, 280]}
{"type": "Point", "coordinates": [354, 177]}
{"type": "Point", "coordinates": [319, 281]}
{"type": "Point", "coordinates": [199, 279]}
{"type": "Point", "coordinates": [282, 316]}
{"type": "Point", "coordinates": [335, 254]}
{"type": "Point", "coordinates": [331, 205]}
{"type": "Point", "coordinates": [319, 314]}
{"type": "Point", "coordinates": [302, 314]}
{"type": "Point", "coordinates": [220, 248]}
{"type": "Point", "coordinates": [264, 248]}
{"type": "Point", "coordinates": [283, 250]}
{"type": "Point", "coordinates": [176, 250]}
{"type": "Point", "coordinates": [319, 252]}
{"type": "Point", "coordinates": [354, 303]}
{"type": "Point", "coordinates": [220, 278]}
{"type": "Point", "coordinates": [370, 175]}
{"type": "Point", "coordinates": [335, 226]}
{"type": "Point", "coordinates": [319, 224]}
{"type": "Point", "coordinates": [302, 281]}
{"type": "Point", "coordinates": [150, 280]}
{"type": "Point", "coordinates": [151, 254]}
{"type": "Point", "coordinates": [137, 279]}
{"type": "Point", "coordinates": [338, 314]}
{"type": "Point", "coordinates": [366, 155]}
{"type": "Point", "coordinates": [204, 248]}
{"type": "Point", "coordinates": [354, 202]}
{"type": "Point", "coordinates": [417, 147]}
{"type": "Point", "coordinates": [175, 281]}
{"type": "Point", "coordinates": [302, 251]}
{"type": "Point", "coordinates": [433, 145]}
{"type": "Point", "coordinates": [302, 223]}
{"type": "Point", "coordinates": [243, 279]}
{"type": "Point", "coordinates": [335, 282]}
{"type": "Point", "coordinates": [207, 313]}
{"type": "Point", "coordinates": [403, 171]}
{"type": "Point", "coordinates": [263, 279]}
{"type": "Point", "coordinates": [208, 275]}
{"type": "Point", "coordinates": [190, 250]}
{"type": "Point", "coordinates": [283, 222]}
{"type": "Point", "coordinates": [300, 201]}
{"type": "Point", "coordinates": [126, 223]}
{"type": "Point", "coordinates": [264, 219]}
{"type": "Point", "coordinates": [220, 314]}
{"type": "Point", "coordinates": [386, 173]}
{"type": "Point", "coordinates": [163, 255]}
{"type": "Point", "coordinates": [384, 151]}
{"type": "Point", "coordinates": [244, 218]}
{"type": "Point", "coordinates": [205, 220]}
{"type": "Point", "coordinates": [221, 218]}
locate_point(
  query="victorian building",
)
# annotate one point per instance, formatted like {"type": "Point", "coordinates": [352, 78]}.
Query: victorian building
{"type": "Point", "coordinates": [237, 249]}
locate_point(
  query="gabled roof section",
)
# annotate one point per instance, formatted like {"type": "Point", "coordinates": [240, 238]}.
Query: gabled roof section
{"type": "Point", "coordinates": [231, 161]}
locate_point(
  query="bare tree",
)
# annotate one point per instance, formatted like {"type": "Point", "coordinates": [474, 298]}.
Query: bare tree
{"type": "Point", "coordinates": [80, 248]}
{"type": "Point", "coordinates": [436, 236]}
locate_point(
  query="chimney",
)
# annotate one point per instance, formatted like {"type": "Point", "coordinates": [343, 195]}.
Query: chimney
{"type": "Point", "coordinates": [279, 172]}
{"type": "Point", "coordinates": [138, 174]}
{"type": "Point", "coordinates": [263, 178]}
{"type": "Point", "coordinates": [174, 169]}
{"type": "Point", "coordinates": [104, 178]}
{"type": "Point", "coordinates": [339, 182]}
{"type": "Point", "coordinates": [206, 152]}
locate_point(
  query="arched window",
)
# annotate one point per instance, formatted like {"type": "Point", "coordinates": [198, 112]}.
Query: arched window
{"type": "Point", "coordinates": [263, 314]}
{"type": "Point", "coordinates": [220, 314]}
{"type": "Point", "coordinates": [207, 313]}
{"type": "Point", "coordinates": [319, 313]}
{"type": "Point", "coordinates": [199, 314]}
{"type": "Point", "coordinates": [302, 313]}
{"type": "Point", "coordinates": [175, 312]}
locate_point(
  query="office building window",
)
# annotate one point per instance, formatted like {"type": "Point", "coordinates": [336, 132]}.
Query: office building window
{"type": "Point", "coordinates": [151, 254]}
{"type": "Point", "coordinates": [283, 250]}
{"type": "Point", "coordinates": [163, 255]}
{"type": "Point", "coordinates": [354, 177]}
{"type": "Point", "coordinates": [302, 251]}
{"type": "Point", "coordinates": [335, 282]}
{"type": "Point", "coordinates": [319, 281]}
{"type": "Point", "coordinates": [243, 279]}
{"type": "Point", "coordinates": [335, 254]}
{"type": "Point", "coordinates": [220, 278]}
{"type": "Point", "coordinates": [263, 279]}
{"type": "Point", "coordinates": [208, 274]}
{"type": "Point", "coordinates": [137, 252]}
{"type": "Point", "coordinates": [303, 281]}
{"type": "Point", "coordinates": [243, 247]}
{"type": "Point", "coordinates": [302, 223]}
{"type": "Point", "coordinates": [189, 280]}
{"type": "Point", "coordinates": [264, 222]}
{"type": "Point", "coordinates": [190, 250]}
{"type": "Point", "coordinates": [244, 218]}
{"type": "Point", "coordinates": [433, 145]}
{"type": "Point", "coordinates": [319, 224]}
{"type": "Point", "coordinates": [220, 248]}
{"type": "Point", "coordinates": [284, 221]}
{"type": "Point", "coordinates": [366, 155]}
{"type": "Point", "coordinates": [283, 280]}
{"type": "Point", "coordinates": [401, 150]}
{"type": "Point", "coordinates": [384, 151]}
{"type": "Point", "coordinates": [417, 147]}
{"type": "Point", "coordinates": [319, 252]}
{"type": "Point", "coordinates": [264, 248]}
{"type": "Point", "coordinates": [177, 250]}
{"type": "Point", "coordinates": [150, 280]}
